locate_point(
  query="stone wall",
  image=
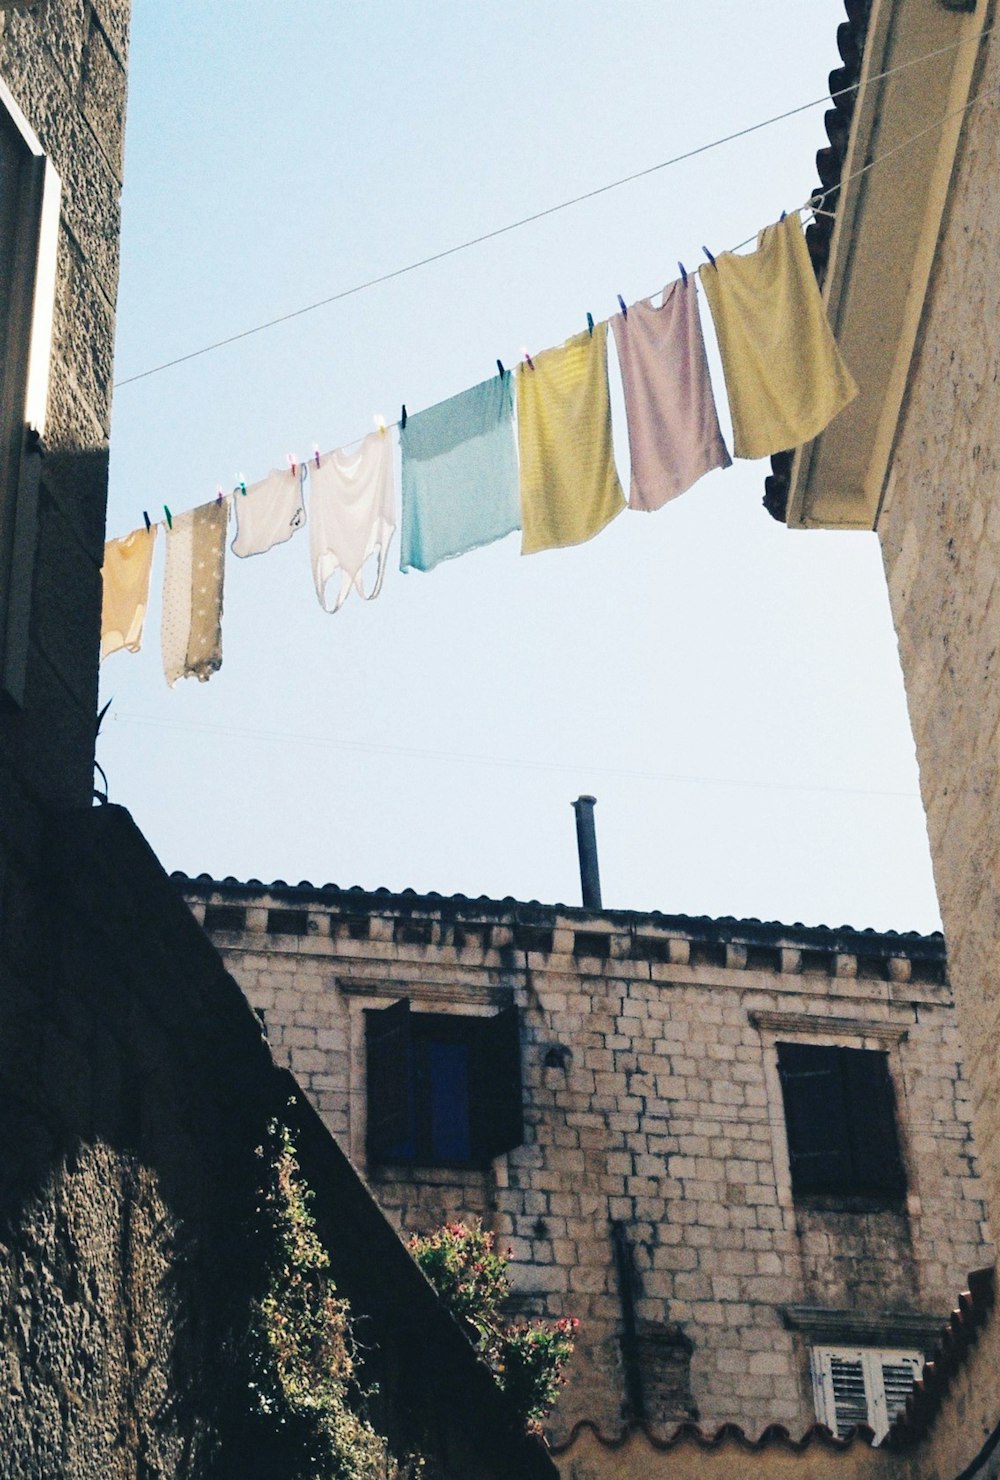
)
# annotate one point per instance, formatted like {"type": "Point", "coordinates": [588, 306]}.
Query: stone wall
{"type": "Point", "coordinates": [135, 1085]}
{"type": "Point", "coordinates": [652, 1104]}
{"type": "Point", "coordinates": [940, 536]}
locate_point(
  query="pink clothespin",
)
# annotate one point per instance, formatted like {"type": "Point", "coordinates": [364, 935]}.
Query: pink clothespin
{"type": "Point", "coordinates": [316, 452]}
{"type": "Point", "coordinates": [292, 464]}
{"type": "Point", "coordinates": [530, 361]}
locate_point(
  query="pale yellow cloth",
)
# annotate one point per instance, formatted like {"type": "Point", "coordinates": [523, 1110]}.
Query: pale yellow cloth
{"type": "Point", "coordinates": [191, 626]}
{"type": "Point", "coordinates": [125, 577]}
{"type": "Point", "coordinates": [569, 486]}
{"type": "Point", "coordinates": [784, 373]}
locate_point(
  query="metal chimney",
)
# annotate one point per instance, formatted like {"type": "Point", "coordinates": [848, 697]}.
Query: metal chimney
{"type": "Point", "coordinates": [586, 842]}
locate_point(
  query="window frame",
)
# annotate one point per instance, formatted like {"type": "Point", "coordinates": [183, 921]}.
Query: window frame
{"type": "Point", "coordinates": [872, 1361]}
{"type": "Point", "coordinates": [859, 1093]}
{"type": "Point", "coordinates": [396, 1044]}
{"type": "Point", "coordinates": [26, 336]}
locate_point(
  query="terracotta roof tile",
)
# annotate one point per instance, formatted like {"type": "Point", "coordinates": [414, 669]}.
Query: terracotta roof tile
{"type": "Point", "coordinates": [774, 1436]}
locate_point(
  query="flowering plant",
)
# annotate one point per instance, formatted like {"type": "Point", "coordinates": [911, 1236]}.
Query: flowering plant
{"type": "Point", "coordinates": [462, 1263]}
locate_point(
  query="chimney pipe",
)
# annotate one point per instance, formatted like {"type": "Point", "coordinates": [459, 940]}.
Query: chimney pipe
{"type": "Point", "coordinates": [586, 842]}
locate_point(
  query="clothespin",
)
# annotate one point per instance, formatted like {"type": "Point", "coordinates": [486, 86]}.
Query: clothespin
{"type": "Point", "coordinates": [218, 493]}
{"type": "Point", "coordinates": [530, 362]}
{"type": "Point", "coordinates": [590, 325]}
{"type": "Point", "coordinates": [710, 258]}
{"type": "Point", "coordinates": [170, 517]}
{"type": "Point", "coordinates": [402, 419]}
{"type": "Point", "coordinates": [316, 452]}
{"type": "Point", "coordinates": [621, 305]}
{"type": "Point", "coordinates": [240, 485]}
{"type": "Point", "coordinates": [782, 216]}
{"type": "Point", "coordinates": [292, 464]}
{"type": "Point", "coordinates": [380, 424]}
{"type": "Point", "coordinates": [684, 276]}
{"type": "Point", "coordinates": [146, 517]}
{"type": "Point", "coordinates": [500, 370]}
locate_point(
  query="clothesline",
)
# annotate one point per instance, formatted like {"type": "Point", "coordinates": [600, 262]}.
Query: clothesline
{"type": "Point", "coordinates": [468, 479]}
{"type": "Point", "coordinates": [553, 210]}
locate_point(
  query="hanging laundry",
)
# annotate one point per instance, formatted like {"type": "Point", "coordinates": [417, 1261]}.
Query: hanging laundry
{"type": "Point", "coordinates": [125, 575]}
{"type": "Point", "coordinates": [269, 512]}
{"type": "Point", "coordinates": [352, 516]}
{"type": "Point", "coordinates": [191, 637]}
{"type": "Point", "coordinates": [784, 373]}
{"type": "Point", "coordinates": [459, 476]}
{"type": "Point", "coordinates": [673, 426]}
{"type": "Point", "coordinates": [569, 486]}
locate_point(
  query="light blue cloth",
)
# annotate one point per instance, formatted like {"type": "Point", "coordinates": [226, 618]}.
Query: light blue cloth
{"type": "Point", "coordinates": [460, 483]}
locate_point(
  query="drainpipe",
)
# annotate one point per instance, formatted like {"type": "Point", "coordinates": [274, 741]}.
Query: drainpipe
{"type": "Point", "coordinates": [586, 842]}
{"type": "Point", "coordinates": [635, 1398]}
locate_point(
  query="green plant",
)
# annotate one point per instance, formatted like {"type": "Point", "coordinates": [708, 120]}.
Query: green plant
{"type": "Point", "coordinates": [528, 1360]}
{"type": "Point", "coordinates": [305, 1370]}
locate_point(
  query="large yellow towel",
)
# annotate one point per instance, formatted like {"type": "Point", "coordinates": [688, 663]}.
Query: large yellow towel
{"type": "Point", "coordinates": [784, 373]}
{"type": "Point", "coordinates": [126, 590]}
{"type": "Point", "coordinates": [569, 486]}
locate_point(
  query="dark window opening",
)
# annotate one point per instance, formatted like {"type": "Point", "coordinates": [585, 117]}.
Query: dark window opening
{"type": "Point", "coordinates": [930, 972]}
{"type": "Point", "coordinates": [287, 922]}
{"type": "Point", "coordinates": [821, 962]}
{"type": "Point", "coordinates": [533, 938]}
{"type": "Point", "coordinates": [707, 953]}
{"type": "Point", "coordinates": [840, 1117]}
{"type": "Point", "coordinates": [592, 943]}
{"type": "Point", "coordinates": [649, 948]}
{"type": "Point", "coordinates": [413, 932]}
{"type": "Point", "coordinates": [472, 935]}
{"type": "Point", "coordinates": [359, 927]}
{"type": "Point", "coordinates": [763, 958]}
{"type": "Point", "coordinates": [225, 917]}
{"type": "Point", "coordinates": [442, 1089]}
{"type": "Point", "coordinates": [873, 966]}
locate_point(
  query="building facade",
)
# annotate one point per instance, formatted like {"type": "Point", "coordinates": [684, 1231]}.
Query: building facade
{"type": "Point", "coordinates": [739, 1153]}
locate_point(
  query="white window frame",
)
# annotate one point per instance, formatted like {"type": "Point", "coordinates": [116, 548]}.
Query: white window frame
{"type": "Point", "coordinates": [25, 357]}
{"type": "Point", "coordinates": [872, 1362]}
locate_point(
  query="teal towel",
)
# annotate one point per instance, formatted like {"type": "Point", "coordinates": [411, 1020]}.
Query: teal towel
{"type": "Point", "coordinates": [460, 483]}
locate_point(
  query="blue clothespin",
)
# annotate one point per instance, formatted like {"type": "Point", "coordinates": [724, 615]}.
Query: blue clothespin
{"type": "Point", "coordinates": [402, 419]}
{"type": "Point", "coordinates": [621, 305]}
{"type": "Point", "coordinates": [710, 258]}
{"type": "Point", "coordinates": [782, 216]}
{"type": "Point", "coordinates": [170, 517]}
{"type": "Point", "coordinates": [590, 325]}
{"type": "Point", "coordinates": [684, 276]}
{"type": "Point", "coordinates": [500, 370]}
{"type": "Point", "coordinates": [146, 517]}
{"type": "Point", "coordinates": [316, 452]}
{"type": "Point", "coordinates": [218, 493]}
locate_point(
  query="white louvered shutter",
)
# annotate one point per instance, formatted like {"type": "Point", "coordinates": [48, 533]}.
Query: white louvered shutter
{"type": "Point", "coordinates": [860, 1385]}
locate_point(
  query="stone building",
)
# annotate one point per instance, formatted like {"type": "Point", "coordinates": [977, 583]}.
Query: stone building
{"type": "Point", "coordinates": [135, 1082]}
{"type": "Point", "coordinates": [907, 260]}
{"type": "Point", "coordinates": [739, 1152]}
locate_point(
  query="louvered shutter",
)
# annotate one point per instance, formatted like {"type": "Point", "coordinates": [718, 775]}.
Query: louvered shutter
{"type": "Point", "coordinates": [815, 1117]}
{"type": "Point", "coordinates": [850, 1398]}
{"type": "Point", "coordinates": [389, 1053]}
{"type": "Point", "coordinates": [900, 1371]}
{"type": "Point", "coordinates": [871, 1106]}
{"type": "Point", "coordinates": [497, 1111]}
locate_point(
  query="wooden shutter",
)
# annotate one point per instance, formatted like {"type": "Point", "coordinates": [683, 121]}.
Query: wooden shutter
{"type": "Point", "coordinates": [862, 1385]}
{"type": "Point", "coordinates": [899, 1371]}
{"type": "Point", "coordinates": [877, 1164]}
{"type": "Point", "coordinates": [819, 1145]}
{"type": "Point", "coordinates": [497, 1111]}
{"type": "Point", "coordinates": [389, 1052]}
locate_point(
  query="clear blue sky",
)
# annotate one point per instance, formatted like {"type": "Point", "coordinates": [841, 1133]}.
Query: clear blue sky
{"type": "Point", "coordinates": [727, 688]}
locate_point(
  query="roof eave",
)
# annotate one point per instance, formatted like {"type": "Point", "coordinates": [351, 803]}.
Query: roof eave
{"type": "Point", "coordinates": [884, 239]}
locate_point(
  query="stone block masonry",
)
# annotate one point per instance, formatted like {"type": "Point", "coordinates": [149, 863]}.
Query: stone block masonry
{"type": "Point", "coordinates": [652, 1106]}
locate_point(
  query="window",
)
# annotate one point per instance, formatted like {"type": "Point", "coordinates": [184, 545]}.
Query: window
{"type": "Point", "coordinates": [29, 238]}
{"type": "Point", "coordinates": [841, 1120]}
{"type": "Point", "coordinates": [859, 1385]}
{"type": "Point", "coordinates": [442, 1089]}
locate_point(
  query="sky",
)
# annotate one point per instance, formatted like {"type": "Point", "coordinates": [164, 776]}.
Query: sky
{"type": "Point", "coordinates": [727, 688]}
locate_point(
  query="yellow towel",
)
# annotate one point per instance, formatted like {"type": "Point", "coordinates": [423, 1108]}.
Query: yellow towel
{"type": "Point", "coordinates": [125, 574]}
{"type": "Point", "coordinates": [784, 373]}
{"type": "Point", "coordinates": [569, 486]}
